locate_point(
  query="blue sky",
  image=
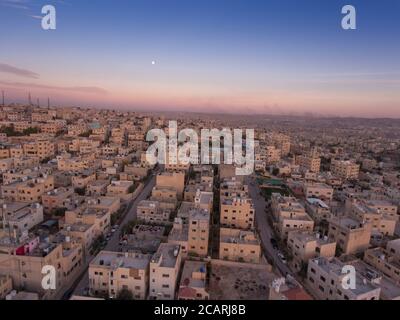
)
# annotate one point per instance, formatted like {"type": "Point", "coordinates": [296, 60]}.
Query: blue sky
{"type": "Point", "coordinates": [280, 56]}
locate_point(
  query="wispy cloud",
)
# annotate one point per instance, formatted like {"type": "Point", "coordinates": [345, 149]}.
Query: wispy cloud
{"type": "Point", "coordinates": [81, 89]}
{"type": "Point", "coordinates": [16, 4]}
{"type": "Point", "coordinates": [6, 68]}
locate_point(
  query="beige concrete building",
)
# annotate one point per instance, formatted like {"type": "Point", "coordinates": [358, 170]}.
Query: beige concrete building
{"type": "Point", "coordinates": [56, 198]}
{"type": "Point", "coordinates": [382, 222]}
{"type": "Point", "coordinates": [307, 245]}
{"type": "Point", "coordinates": [318, 190]}
{"type": "Point", "coordinates": [310, 162]}
{"type": "Point", "coordinates": [272, 155]}
{"type": "Point", "coordinates": [289, 215]}
{"type": "Point", "coordinates": [151, 212]}
{"type": "Point", "coordinates": [99, 218]}
{"type": "Point", "coordinates": [81, 232]}
{"type": "Point", "coordinates": [239, 245]}
{"type": "Point", "coordinates": [351, 236]}
{"type": "Point", "coordinates": [76, 164]}
{"type": "Point", "coordinates": [41, 148]}
{"type": "Point", "coordinates": [384, 261]}
{"type": "Point", "coordinates": [193, 285]}
{"type": "Point", "coordinates": [237, 213]}
{"type": "Point", "coordinates": [119, 188]}
{"type": "Point", "coordinates": [82, 179]}
{"type": "Point", "coordinates": [20, 217]}
{"type": "Point", "coordinates": [318, 210]}
{"type": "Point", "coordinates": [199, 230]}
{"type": "Point", "coordinates": [325, 278]}
{"type": "Point", "coordinates": [166, 196]}
{"type": "Point", "coordinates": [174, 180]}
{"type": "Point", "coordinates": [179, 235]}
{"type": "Point", "coordinates": [112, 272]}
{"type": "Point", "coordinates": [23, 262]}
{"type": "Point", "coordinates": [30, 191]}
{"type": "Point", "coordinates": [345, 169]}
{"type": "Point", "coordinates": [164, 269]}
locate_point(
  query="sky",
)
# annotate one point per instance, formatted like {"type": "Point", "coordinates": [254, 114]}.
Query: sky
{"type": "Point", "coordinates": [236, 56]}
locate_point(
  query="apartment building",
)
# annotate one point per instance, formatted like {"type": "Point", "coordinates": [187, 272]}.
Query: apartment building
{"type": "Point", "coordinates": [318, 190]}
{"type": "Point", "coordinates": [83, 178]}
{"type": "Point", "coordinates": [317, 209]}
{"type": "Point", "coordinates": [23, 262]}
{"type": "Point", "coordinates": [351, 236]}
{"type": "Point", "coordinates": [325, 278]}
{"type": "Point", "coordinates": [75, 164]}
{"type": "Point", "coordinates": [237, 213]}
{"type": "Point", "coordinates": [30, 191]}
{"type": "Point", "coordinates": [166, 196]}
{"type": "Point", "coordinates": [100, 218]}
{"type": "Point", "coordinates": [83, 233]}
{"type": "Point", "coordinates": [119, 188]}
{"type": "Point", "coordinates": [239, 245]}
{"type": "Point", "coordinates": [345, 169]}
{"type": "Point", "coordinates": [382, 222]}
{"type": "Point", "coordinates": [26, 162]}
{"type": "Point", "coordinates": [193, 285]}
{"type": "Point", "coordinates": [41, 148]}
{"type": "Point", "coordinates": [135, 172]}
{"type": "Point", "coordinates": [199, 231]}
{"type": "Point", "coordinates": [174, 180]}
{"type": "Point", "coordinates": [55, 199]}
{"type": "Point", "coordinates": [53, 127]}
{"type": "Point", "coordinates": [232, 187]}
{"type": "Point", "coordinates": [179, 235]}
{"type": "Point", "coordinates": [112, 272]}
{"type": "Point", "coordinates": [289, 215]}
{"type": "Point", "coordinates": [310, 162]}
{"type": "Point", "coordinates": [272, 155]}
{"type": "Point", "coordinates": [151, 212]}
{"type": "Point", "coordinates": [308, 245]}
{"type": "Point", "coordinates": [164, 269]}
{"type": "Point", "coordinates": [383, 206]}
{"type": "Point", "coordinates": [385, 261]}
{"type": "Point", "coordinates": [20, 217]}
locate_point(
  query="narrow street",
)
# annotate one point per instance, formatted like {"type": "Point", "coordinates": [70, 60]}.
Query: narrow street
{"type": "Point", "coordinates": [264, 229]}
{"type": "Point", "coordinates": [82, 283]}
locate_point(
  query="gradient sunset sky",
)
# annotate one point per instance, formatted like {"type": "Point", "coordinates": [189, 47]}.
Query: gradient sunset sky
{"type": "Point", "coordinates": [239, 56]}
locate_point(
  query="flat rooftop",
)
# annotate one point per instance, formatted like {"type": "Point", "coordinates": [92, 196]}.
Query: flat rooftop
{"type": "Point", "coordinates": [165, 255]}
{"type": "Point", "coordinates": [336, 266]}
{"type": "Point", "coordinates": [190, 267]}
{"type": "Point", "coordinates": [317, 202]}
{"type": "Point", "coordinates": [238, 236]}
{"type": "Point", "coordinates": [115, 260]}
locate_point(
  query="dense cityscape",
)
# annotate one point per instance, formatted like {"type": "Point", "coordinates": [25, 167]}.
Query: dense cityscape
{"type": "Point", "coordinates": [79, 196]}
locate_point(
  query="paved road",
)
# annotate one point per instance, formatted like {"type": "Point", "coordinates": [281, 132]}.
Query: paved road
{"type": "Point", "coordinates": [264, 228]}
{"type": "Point", "coordinates": [113, 243]}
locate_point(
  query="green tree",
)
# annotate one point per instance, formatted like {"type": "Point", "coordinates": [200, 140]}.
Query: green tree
{"type": "Point", "coordinates": [125, 294]}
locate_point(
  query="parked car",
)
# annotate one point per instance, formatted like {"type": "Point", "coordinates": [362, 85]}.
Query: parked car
{"type": "Point", "coordinates": [282, 257]}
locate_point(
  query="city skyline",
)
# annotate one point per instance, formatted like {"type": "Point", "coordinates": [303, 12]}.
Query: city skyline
{"type": "Point", "coordinates": [275, 57]}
